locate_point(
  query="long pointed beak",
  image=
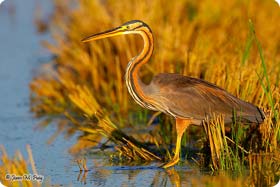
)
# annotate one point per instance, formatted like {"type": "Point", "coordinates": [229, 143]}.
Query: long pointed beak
{"type": "Point", "coordinates": [105, 34]}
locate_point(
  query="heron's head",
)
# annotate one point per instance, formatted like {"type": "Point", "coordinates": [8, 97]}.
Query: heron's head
{"type": "Point", "coordinates": [129, 27]}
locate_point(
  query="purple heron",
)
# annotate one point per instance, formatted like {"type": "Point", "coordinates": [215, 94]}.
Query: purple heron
{"type": "Point", "coordinates": [188, 100]}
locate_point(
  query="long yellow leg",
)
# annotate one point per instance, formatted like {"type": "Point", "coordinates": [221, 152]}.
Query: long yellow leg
{"type": "Point", "coordinates": [181, 126]}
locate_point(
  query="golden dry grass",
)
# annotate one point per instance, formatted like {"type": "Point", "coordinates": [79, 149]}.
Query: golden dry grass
{"type": "Point", "coordinates": [17, 166]}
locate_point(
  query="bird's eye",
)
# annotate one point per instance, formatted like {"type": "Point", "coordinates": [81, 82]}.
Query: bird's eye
{"type": "Point", "coordinates": [127, 27]}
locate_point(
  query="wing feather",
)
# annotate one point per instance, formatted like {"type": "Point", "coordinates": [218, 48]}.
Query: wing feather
{"type": "Point", "coordinates": [188, 97]}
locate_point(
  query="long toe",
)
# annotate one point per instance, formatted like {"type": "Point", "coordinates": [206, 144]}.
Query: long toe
{"type": "Point", "coordinates": [170, 163]}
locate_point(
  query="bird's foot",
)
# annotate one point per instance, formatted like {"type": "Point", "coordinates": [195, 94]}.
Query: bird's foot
{"type": "Point", "coordinates": [170, 163]}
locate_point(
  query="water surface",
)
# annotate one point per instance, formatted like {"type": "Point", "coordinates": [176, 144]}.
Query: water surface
{"type": "Point", "coordinates": [21, 54]}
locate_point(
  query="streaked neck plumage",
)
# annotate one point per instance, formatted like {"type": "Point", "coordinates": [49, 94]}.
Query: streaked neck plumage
{"type": "Point", "coordinates": [134, 84]}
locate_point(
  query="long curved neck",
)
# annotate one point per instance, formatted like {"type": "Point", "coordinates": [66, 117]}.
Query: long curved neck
{"type": "Point", "coordinates": [136, 87]}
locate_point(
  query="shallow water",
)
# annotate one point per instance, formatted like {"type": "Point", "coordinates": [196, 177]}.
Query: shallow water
{"type": "Point", "coordinates": [20, 54]}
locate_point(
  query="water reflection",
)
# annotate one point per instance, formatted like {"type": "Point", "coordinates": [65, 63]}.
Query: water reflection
{"type": "Point", "coordinates": [174, 177]}
{"type": "Point", "coordinates": [105, 174]}
{"type": "Point", "coordinates": [82, 177]}
{"type": "Point", "coordinates": [150, 175]}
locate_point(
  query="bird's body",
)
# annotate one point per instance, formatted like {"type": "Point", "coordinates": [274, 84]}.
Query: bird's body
{"type": "Point", "coordinates": [188, 100]}
{"type": "Point", "coordinates": [203, 99]}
